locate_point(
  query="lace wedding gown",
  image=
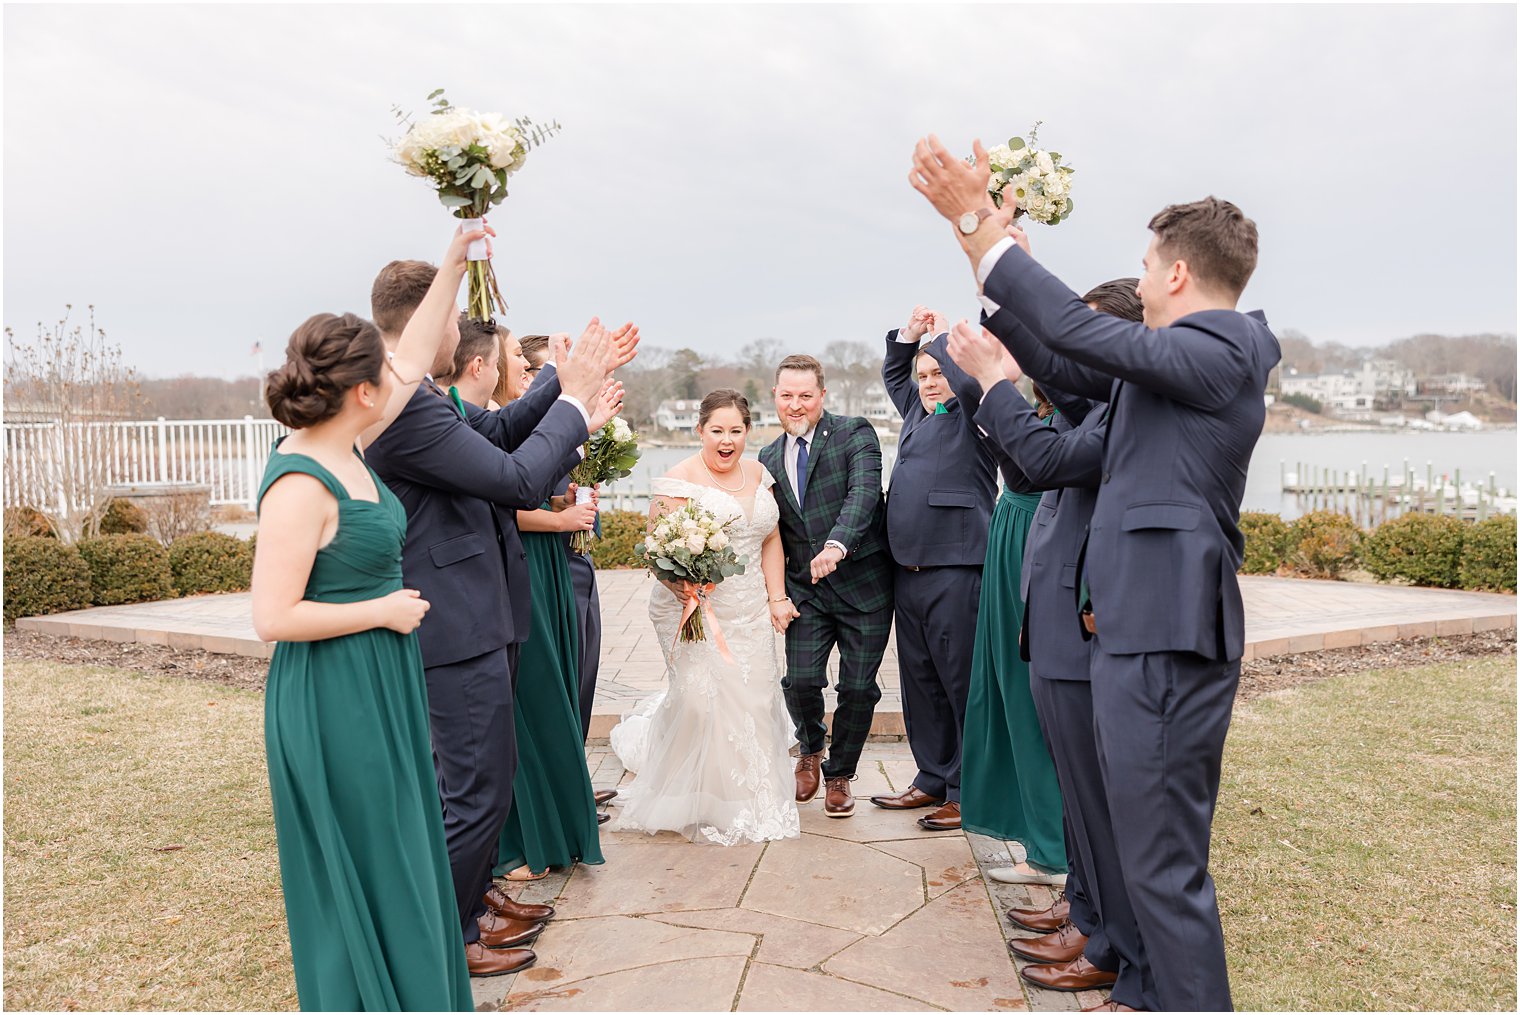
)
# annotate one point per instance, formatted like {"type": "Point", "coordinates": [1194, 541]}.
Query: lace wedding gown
{"type": "Point", "coordinates": [711, 752]}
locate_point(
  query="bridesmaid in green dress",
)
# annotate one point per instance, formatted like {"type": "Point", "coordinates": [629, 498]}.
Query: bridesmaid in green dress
{"type": "Point", "coordinates": [1008, 780]}
{"type": "Point", "coordinates": [369, 898]}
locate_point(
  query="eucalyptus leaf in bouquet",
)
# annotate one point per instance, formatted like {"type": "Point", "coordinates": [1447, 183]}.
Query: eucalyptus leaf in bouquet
{"type": "Point", "coordinates": [690, 548]}
{"type": "Point", "coordinates": [468, 157]}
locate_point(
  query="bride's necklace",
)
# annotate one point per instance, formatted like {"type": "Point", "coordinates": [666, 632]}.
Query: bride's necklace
{"type": "Point", "coordinates": [743, 479]}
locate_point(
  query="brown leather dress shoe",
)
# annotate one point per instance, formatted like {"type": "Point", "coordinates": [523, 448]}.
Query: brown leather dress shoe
{"type": "Point", "coordinates": [808, 776]}
{"type": "Point", "coordinates": [1112, 1005]}
{"type": "Point", "coordinates": [497, 900]}
{"type": "Point", "coordinates": [602, 817]}
{"type": "Point", "coordinates": [838, 801]}
{"type": "Point", "coordinates": [1042, 921]}
{"type": "Point", "coordinates": [484, 961]}
{"type": "Point", "coordinates": [497, 931]}
{"type": "Point", "coordinates": [604, 795]}
{"type": "Point", "coordinates": [1062, 946]}
{"type": "Point", "coordinates": [907, 800]}
{"type": "Point", "coordinates": [1078, 974]}
{"type": "Point", "coordinates": [946, 819]}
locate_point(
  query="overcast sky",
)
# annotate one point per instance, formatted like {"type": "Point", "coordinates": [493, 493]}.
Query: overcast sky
{"type": "Point", "coordinates": [209, 176]}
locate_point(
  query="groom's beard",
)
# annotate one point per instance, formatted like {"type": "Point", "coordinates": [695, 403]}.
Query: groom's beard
{"type": "Point", "coordinates": [797, 428]}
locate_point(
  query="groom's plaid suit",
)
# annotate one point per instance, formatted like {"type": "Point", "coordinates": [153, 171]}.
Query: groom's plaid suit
{"type": "Point", "coordinates": [852, 608]}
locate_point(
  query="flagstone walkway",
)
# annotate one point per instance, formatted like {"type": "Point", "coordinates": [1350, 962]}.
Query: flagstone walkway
{"type": "Point", "coordinates": [1283, 615]}
{"type": "Point", "coordinates": [867, 913]}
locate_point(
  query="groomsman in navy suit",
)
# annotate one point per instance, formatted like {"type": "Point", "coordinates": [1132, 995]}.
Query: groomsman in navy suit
{"type": "Point", "coordinates": [939, 507]}
{"type": "Point", "coordinates": [1092, 940]}
{"type": "Point", "coordinates": [461, 474]}
{"type": "Point", "coordinates": [1185, 395]}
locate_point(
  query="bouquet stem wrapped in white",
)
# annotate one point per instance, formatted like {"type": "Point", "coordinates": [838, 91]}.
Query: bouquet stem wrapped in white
{"type": "Point", "coordinates": [1034, 178]}
{"type": "Point", "coordinates": [468, 156]}
{"type": "Point", "coordinates": [689, 547]}
{"type": "Point", "coordinates": [611, 453]}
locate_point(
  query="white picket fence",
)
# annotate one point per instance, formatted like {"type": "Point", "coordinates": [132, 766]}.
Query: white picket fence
{"type": "Point", "coordinates": [227, 455]}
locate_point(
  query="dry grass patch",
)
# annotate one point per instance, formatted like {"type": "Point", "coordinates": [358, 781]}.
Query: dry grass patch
{"type": "Point", "coordinates": [140, 864]}
{"type": "Point", "coordinates": [1364, 848]}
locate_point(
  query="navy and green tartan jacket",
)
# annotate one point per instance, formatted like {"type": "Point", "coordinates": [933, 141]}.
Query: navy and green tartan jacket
{"type": "Point", "coordinates": [844, 503]}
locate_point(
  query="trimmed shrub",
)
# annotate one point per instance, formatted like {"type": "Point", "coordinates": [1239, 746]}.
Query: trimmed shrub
{"type": "Point", "coordinates": [1322, 544]}
{"type": "Point", "coordinates": [1266, 542]}
{"type": "Point", "coordinates": [210, 562]}
{"type": "Point", "coordinates": [27, 521]}
{"type": "Point", "coordinates": [1488, 555]}
{"type": "Point", "coordinates": [129, 568]}
{"type": "Point", "coordinates": [43, 575]}
{"type": "Point", "coordinates": [1421, 549]}
{"type": "Point", "coordinates": [620, 531]}
{"type": "Point", "coordinates": [122, 517]}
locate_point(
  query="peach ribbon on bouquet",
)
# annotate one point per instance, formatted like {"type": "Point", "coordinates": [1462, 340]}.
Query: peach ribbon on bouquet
{"type": "Point", "coordinates": [695, 596]}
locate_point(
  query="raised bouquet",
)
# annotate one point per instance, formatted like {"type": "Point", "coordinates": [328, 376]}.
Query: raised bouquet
{"type": "Point", "coordinates": [467, 157]}
{"type": "Point", "coordinates": [689, 548]}
{"type": "Point", "coordinates": [611, 453]}
{"type": "Point", "coordinates": [1035, 178]}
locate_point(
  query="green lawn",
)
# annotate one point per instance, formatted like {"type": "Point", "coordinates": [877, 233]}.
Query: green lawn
{"type": "Point", "coordinates": [1364, 847]}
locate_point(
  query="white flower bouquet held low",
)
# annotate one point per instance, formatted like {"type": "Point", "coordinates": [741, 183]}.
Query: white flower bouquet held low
{"type": "Point", "coordinates": [611, 453]}
{"type": "Point", "coordinates": [1034, 178]}
{"type": "Point", "coordinates": [467, 156]}
{"type": "Point", "coordinates": [689, 548]}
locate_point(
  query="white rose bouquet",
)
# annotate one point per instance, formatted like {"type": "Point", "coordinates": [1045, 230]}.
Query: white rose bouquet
{"type": "Point", "coordinates": [611, 453]}
{"type": "Point", "coordinates": [689, 547]}
{"type": "Point", "coordinates": [1036, 179]}
{"type": "Point", "coordinates": [468, 156]}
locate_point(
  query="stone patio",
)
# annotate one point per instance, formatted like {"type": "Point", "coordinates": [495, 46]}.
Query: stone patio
{"type": "Point", "coordinates": [867, 913]}
{"type": "Point", "coordinates": [1283, 615]}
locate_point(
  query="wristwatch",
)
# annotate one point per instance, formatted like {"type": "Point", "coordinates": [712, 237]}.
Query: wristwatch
{"type": "Point", "coordinates": [973, 219]}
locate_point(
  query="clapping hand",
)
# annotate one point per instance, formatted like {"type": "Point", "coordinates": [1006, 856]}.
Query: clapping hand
{"type": "Point", "coordinates": [608, 404]}
{"type": "Point", "coordinates": [625, 344]}
{"type": "Point", "coordinates": [583, 372]}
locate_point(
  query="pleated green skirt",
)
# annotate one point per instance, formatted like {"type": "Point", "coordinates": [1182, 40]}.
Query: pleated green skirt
{"type": "Point", "coordinates": [553, 818]}
{"type": "Point", "coordinates": [1008, 782]}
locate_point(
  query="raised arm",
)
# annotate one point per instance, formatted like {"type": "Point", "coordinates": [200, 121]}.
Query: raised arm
{"type": "Point", "coordinates": [1045, 365]}
{"type": "Point", "coordinates": [1200, 361]}
{"type": "Point", "coordinates": [424, 332]}
{"type": "Point", "coordinates": [1046, 457]}
{"type": "Point", "coordinates": [967, 390]}
{"type": "Point", "coordinates": [897, 375]}
{"type": "Point", "coordinates": [510, 425]}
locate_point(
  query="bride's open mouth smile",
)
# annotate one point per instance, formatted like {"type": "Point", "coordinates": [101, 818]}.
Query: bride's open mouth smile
{"type": "Point", "coordinates": [726, 455]}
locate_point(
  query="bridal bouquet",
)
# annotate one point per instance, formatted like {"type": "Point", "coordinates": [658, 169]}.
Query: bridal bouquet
{"type": "Point", "coordinates": [611, 453]}
{"type": "Point", "coordinates": [689, 547]}
{"type": "Point", "coordinates": [1036, 179]}
{"type": "Point", "coordinates": [467, 156]}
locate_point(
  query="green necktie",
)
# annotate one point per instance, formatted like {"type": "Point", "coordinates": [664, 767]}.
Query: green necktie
{"type": "Point", "coordinates": [458, 402]}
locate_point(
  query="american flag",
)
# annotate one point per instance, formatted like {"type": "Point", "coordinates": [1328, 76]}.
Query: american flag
{"type": "Point", "coordinates": [258, 347]}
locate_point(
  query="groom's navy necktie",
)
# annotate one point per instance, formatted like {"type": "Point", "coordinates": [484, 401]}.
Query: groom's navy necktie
{"type": "Point", "coordinates": [802, 462]}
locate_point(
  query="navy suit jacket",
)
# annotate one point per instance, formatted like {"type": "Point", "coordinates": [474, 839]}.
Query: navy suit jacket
{"type": "Point", "coordinates": [1185, 412]}
{"type": "Point", "coordinates": [1066, 462]}
{"type": "Point", "coordinates": [462, 484]}
{"type": "Point", "coordinates": [939, 500]}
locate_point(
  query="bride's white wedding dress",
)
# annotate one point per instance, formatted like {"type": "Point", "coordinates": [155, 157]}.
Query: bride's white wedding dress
{"type": "Point", "coordinates": [711, 752]}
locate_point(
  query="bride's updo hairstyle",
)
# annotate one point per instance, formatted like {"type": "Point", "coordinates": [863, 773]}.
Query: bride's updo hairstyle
{"type": "Point", "coordinates": [327, 356]}
{"type": "Point", "coordinates": [723, 398]}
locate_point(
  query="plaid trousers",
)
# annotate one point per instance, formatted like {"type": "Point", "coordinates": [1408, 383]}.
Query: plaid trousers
{"type": "Point", "coordinates": [825, 622]}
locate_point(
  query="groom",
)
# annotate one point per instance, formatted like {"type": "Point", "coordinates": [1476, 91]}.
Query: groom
{"type": "Point", "coordinates": [838, 575]}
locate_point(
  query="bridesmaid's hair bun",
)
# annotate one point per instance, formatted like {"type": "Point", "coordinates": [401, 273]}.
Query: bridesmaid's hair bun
{"type": "Point", "coordinates": [326, 357]}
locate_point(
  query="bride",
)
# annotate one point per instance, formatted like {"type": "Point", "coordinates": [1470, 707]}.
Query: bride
{"type": "Point", "coordinates": [711, 752]}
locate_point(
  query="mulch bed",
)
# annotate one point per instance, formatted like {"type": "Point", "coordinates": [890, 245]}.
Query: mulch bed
{"type": "Point", "coordinates": [1258, 677]}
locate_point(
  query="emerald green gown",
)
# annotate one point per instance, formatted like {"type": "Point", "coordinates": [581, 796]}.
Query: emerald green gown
{"type": "Point", "coordinates": [1008, 782]}
{"type": "Point", "coordinates": [368, 894]}
{"type": "Point", "coordinates": [553, 818]}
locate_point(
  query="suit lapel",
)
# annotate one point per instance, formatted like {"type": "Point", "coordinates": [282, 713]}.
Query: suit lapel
{"type": "Point", "coordinates": [776, 453]}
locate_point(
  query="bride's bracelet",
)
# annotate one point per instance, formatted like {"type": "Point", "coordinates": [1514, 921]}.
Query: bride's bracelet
{"type": "Point", "coordinates": [782, 599]}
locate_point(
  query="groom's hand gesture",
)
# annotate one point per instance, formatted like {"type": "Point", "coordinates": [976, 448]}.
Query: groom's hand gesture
{"type": "Point", "coordinates": [825, 563]}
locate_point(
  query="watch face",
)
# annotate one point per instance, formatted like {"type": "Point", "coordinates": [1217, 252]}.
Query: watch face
{"type": "Point", "coordinates": [969, 222]}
